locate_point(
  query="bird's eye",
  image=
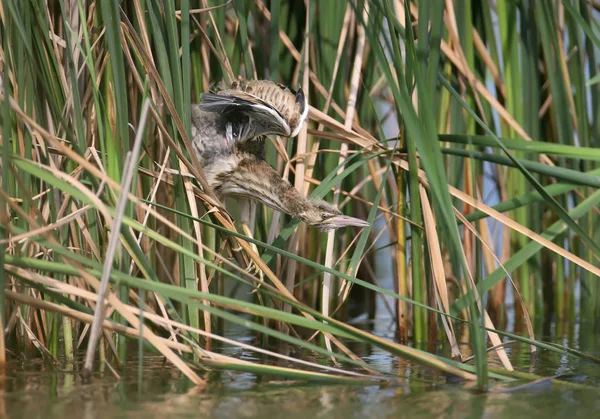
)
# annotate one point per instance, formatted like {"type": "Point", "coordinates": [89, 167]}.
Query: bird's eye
{"type": "Point", "coordinates": [325, 217]}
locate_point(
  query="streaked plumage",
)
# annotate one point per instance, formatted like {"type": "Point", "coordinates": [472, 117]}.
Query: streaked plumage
{"type": "Point", "coordinates": [246, 174]}
{"type": "Point", "coordinates": [262, 107]}
{"type": "Point", "coordinates": [228, 136]}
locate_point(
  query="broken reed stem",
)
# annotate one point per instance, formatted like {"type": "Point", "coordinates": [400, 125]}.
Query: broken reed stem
{"type": "Point", "coordinates": [113, 242]}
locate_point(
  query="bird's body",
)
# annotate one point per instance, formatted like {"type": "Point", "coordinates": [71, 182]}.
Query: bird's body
{"type": "Point", "coordinates": [210, 142]}
{"type": "Point", "coordinates": [258, 107]}
{"type": "Point", "coordinates": [229, 139]}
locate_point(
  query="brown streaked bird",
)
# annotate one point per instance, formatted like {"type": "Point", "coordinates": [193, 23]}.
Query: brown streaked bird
{"type": "Point", "coordinates": [249, 176]}
{"type": "Point", "coordinates": [228, 137]}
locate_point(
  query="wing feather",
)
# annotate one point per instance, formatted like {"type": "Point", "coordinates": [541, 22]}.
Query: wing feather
{"type": "Point", "coordinates": [265, 119]}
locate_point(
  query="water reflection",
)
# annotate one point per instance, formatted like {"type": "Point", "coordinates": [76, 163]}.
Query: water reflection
{"type": "Point", "coordinates": [36, 389]}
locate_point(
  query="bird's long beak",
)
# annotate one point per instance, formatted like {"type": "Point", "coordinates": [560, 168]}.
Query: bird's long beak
{"type": "Point", "coordinates": [344, 220]}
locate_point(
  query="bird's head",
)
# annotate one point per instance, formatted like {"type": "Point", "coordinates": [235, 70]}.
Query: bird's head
{"type": "Point", "coordinates": [326, 217]}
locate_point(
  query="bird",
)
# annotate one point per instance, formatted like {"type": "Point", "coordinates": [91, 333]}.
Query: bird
{"type": "Point", "coordinates": [229, 129]}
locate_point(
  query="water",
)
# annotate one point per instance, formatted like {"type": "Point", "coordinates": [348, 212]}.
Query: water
{"type": "Point", "coordinates": [33, 389]}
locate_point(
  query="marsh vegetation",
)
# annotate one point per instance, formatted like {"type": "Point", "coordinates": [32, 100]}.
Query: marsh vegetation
{"type": "Point", "coordinates": [466, 132]}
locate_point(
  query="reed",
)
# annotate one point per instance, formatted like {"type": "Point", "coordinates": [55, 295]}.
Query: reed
{"type": "Point", "coordinates": [464, 131]}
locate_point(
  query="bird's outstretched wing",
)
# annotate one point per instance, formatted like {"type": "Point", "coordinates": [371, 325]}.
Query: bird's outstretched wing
{"type": "Point", "coordinates": [262, 118]}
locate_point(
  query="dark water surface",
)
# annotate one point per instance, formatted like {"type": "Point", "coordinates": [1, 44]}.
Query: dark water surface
{"type": "Point", "coordinates": [34, 389]}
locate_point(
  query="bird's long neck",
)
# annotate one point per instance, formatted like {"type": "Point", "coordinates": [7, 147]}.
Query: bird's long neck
{"type": "Point", "coordinates": [255, 179]}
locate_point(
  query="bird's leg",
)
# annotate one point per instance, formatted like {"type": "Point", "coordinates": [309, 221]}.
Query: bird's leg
{"type": "Point", "coordinates": [247, 216]}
